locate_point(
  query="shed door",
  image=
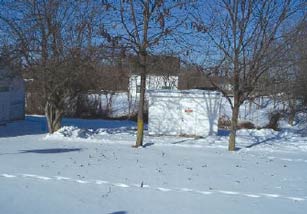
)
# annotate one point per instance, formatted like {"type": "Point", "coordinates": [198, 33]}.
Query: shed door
{"type": "Point", "coordinates": [188, 113]}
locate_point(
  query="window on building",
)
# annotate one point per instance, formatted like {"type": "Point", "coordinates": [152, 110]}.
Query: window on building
{"type": "Point", "coordinates": [138, 89]}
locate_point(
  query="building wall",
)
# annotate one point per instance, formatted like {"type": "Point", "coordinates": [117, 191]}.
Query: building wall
{"type": "Point", "coordinates": [4, 107]}
{"type": "Point", "coordinates": [12, 100]}
{"type": "Point", "coordinates": [17, 101]}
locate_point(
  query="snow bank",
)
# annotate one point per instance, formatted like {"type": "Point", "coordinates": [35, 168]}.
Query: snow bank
{"type": "Point", "coordinates": [73, 133]}
{"type": "Point", "coordinates": [286, 140]}
{"type": "Point", "coordinates": [289, 139]}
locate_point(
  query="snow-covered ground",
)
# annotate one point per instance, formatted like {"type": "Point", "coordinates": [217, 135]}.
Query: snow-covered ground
{"type": "Point", "coordinates": [89, 167]}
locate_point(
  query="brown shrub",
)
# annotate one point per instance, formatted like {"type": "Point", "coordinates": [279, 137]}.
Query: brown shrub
{"type": "Point", "coordinates": [246, 125]}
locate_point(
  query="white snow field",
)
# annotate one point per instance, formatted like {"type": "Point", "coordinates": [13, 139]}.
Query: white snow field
{"type": "Point", "coordinates": [89, 167]}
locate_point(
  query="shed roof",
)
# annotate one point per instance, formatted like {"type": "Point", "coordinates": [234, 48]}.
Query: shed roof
{"type": "Point", "coordinates": [193, 93]}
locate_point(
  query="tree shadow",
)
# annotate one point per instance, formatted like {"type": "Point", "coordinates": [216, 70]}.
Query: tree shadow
{"type": "Point", "coordinates": [147, 145]}
{"type": "Point", "coordinates": [223, 133]}
{"type": "Point", "coordinates": [259, 141]}
{"type": "Point", "coordinates": [212, 106]}
{"type": "Point", "coordinates": [30, 126]}
{"type": "Point", "coordinates": [33, 125]}
{"type": "Point", "coordinates": [302, 130]}
{"type": "Point", "coordinates": [119, 212]}
{"type": "Point", "coordinates": [111, 125]}
{"type": "Point", "coordinates": [182, 141]}
{"type": "Point", "coordinates": [51, 151]}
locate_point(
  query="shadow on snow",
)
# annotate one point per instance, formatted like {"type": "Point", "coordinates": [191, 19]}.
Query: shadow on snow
{"type": "Point", "coordinates": [119, 212]}
{"type": "Point", "coordinates": [259, 140]}
{"type": "Point", "coordinates": [51, 151]}
{"type": "Point", "coordinates": [33, 125]}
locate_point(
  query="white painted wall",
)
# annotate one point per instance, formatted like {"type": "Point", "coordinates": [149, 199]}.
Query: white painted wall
{"type": "Point", "coordinates": [17, 101]}
{"type": "Point", "coordinates": [4, 107]}
{"type": "Point", "coordinates": [188, 112]}
{"type": "Point", "coordinates": [12, 100]}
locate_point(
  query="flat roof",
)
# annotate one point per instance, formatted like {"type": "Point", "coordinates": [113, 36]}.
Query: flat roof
{"type": "Point", "coordinates": [183, 93]}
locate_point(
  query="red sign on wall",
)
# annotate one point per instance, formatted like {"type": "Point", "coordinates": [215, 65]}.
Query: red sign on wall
{"type": "Point", "coordinates": [188, 110]}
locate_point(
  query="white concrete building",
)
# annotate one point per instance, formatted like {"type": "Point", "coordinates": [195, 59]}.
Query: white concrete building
{"type": "Point", "coordinates": [162, 72]}
{"type": "Point", "coordinates": [153, 82]}
{"type": "Point", "coordinates": [183, 113]}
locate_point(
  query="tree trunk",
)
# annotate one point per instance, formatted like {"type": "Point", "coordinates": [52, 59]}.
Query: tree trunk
{"type": "Point", "coordinates": [140, 120]}
{"type": "Point", "coordinates": [235, 110]}
{"type": "Point", "coordinates": [291, 118]}
{"type": "Point", "coordinates": [291, 115]}
{"type": "Point", "coordinates": [54, 117]}
{"type": "Point", "coordinates": [233, 128]}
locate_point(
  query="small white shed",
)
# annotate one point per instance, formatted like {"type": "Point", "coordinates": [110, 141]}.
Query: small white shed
{"type": "Point", "coordinates": [183, 112]}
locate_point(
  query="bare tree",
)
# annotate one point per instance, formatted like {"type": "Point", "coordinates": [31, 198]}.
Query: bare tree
{"type": "Point", "coordinates": [243, 35]}
{"type": "Point", "coordinates": [144, 26]}
{"type": "Point", "coordinates": [10, 62]}
{"type": "Point", "coordinates": [55, 39]}
{"type": "Point", "coordinates": [295, 64]}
